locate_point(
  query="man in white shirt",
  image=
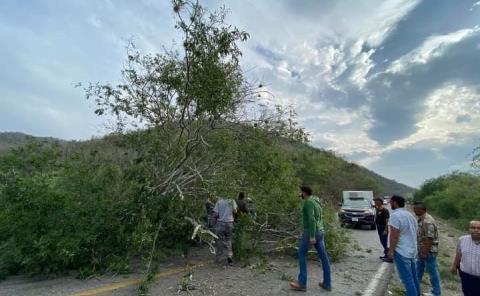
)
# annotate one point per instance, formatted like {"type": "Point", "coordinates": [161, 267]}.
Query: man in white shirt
{"type": "Point", "coordinates": [223, 212]}
{"type": "Point", "coordinates": [467, 260]}
{"type": "Point", "coordinates": [403, 244]}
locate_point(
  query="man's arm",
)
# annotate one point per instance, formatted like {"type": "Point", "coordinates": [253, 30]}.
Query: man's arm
{"type": "Point", "coordinates": [394, 235]}
{"type": "Point", "coordinates": [456, 261]}
{"type": "Point", "coordinates": [215, 212]}
{"type": "Point", "coordinates": [427, 244]}
{"type": "Point", "coordinates": [309, 214]}
{"type": "Point", "coordinates": [387, 217]}
{"type": "Point", "coordinates": [426, 247]}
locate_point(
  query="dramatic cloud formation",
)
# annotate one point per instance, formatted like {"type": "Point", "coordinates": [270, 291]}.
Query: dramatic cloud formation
{"type": "Point", "coordinates": [391, 84]}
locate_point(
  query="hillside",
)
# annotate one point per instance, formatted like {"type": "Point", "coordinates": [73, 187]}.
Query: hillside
{"type": "Point", "coordinates": [325, 163]}
{"type": "Point", "coordinates": [385, 186]}
{"type": "Point", "coordinates": [99, 197]}
{"type": "Point", "coordinates": [14, 139]}
{"type": "Point", "coordinates": [391, 186]}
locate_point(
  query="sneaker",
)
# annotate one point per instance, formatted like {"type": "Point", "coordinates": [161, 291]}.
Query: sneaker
{"type": "Point", "coordinates": [383, 257]}
{"type": "Point", "coordinates": [297, 287]}
{"type": "Point", "coordinates": [324, 287]}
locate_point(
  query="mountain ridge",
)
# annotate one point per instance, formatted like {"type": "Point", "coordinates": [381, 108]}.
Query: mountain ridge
{"type": "Point", "coordinates": [10, 140]}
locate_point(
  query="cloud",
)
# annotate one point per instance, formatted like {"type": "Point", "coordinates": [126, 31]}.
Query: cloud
{"type": "Point", "coordinates": [474, 5]}
{"type": "Point", "coordinates": [372, 80]}
{"type": "Point", "coordinates": [385, 19]}
{"type": "Point", "coordinates": [433, 47]}
{"type": "Point", "coordinates": [451, 117]}
{"type": "Point", "coordinates": [397, 97]}
{"type": "Point", "coordinates": [341, 130]}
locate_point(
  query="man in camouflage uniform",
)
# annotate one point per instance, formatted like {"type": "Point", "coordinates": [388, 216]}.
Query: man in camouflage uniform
{"type": "Point", "coordinates": [427, 239]}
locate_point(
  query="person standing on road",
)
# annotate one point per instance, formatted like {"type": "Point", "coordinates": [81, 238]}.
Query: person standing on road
{"type": "Point", "coordinates": [403, 244]}
{"type": "Point", "coordinates": [467, 260]}
{"type": "Point", "coordinates": [427, 239]}
{"type": "Point", "coordinates": [381, 220]}
{"type": "Point", "coordinates": [312, 234]}
{"type": "Point", "coordinates": [224, 211]}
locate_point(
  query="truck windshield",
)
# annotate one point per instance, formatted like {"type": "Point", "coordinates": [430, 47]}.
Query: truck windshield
{"type": "Point", "coordinates": [356, 203]}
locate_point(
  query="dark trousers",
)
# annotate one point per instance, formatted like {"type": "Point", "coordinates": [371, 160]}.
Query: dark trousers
{"type": "Point", "coordinates": [470, 284]}
{"type": "Point", "coordinates": [383, 238]}
{"type": "Point", "coordinates": [224, 241]}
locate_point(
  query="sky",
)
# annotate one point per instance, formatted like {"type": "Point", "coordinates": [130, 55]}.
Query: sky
{"type": "Point", "coordinates": [393, 85]}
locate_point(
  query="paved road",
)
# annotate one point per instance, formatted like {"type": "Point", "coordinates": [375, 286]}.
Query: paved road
{"type": "Point", "coordinates": [350, 277]}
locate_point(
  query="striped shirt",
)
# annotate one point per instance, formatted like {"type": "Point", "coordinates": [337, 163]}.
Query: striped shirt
{"type": "Point", "coordinates": [470, 251]}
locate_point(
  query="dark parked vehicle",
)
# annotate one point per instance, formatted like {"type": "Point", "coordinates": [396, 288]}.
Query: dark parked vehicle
{"type": "Point", "coordinates": [357, 211]}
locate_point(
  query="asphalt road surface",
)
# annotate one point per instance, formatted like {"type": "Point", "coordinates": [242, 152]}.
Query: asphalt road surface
{"type": "Point", "coordinates": [350, 276]}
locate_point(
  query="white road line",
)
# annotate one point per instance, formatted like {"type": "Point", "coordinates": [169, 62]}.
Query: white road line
{"type": "Point", "coordinates": [379, 281]}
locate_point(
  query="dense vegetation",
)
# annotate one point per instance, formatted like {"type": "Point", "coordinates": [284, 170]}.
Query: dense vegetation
{"type": "Point", "coordinates": [87, 206]}
{"type": "Point", "coordinates": [10, 140]}
{"type": "Point", "coordinates": [454, 196]}
{"type": "Point", "coordinates": [183, 134]}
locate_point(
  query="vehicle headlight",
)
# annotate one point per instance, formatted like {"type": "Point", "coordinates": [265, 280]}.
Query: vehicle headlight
{"type": "Point", "coordinates": [342, 211]}
{"type": "Point", "coordinates": [369, 212]}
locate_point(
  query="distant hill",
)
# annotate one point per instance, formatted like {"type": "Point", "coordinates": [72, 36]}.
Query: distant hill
{"type": "Point", "coordinates": [346, 173]}
{"type": "Point", "coordinates": [391, 186]}
{"type": "Point", "coordinates": [14, 139]}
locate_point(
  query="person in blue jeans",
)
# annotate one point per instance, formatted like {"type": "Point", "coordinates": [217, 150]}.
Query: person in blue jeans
{"type": "Point", "coordinates": [403, 244]}
{"type": "Point", "coordinates": [427, 239]}
{"type": "Point", "coordinates": [312, 234]}
{"type": "Point", "coordinates": [430, 262]}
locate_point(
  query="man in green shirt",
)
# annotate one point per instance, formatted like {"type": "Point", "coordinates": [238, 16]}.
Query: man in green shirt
{"type": "Point", "coordinates": [312, 234]}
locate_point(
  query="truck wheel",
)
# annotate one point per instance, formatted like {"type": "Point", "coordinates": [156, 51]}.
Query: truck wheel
{"type": "Point", "coordinates": [373, 227]}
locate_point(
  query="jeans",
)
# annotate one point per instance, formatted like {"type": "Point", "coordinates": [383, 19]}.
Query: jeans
{"type": "Point", "coordinates": [383, 238]}
{"type": "Point", "coordinates": [302, 258]}
{"type": "Point", "coordinates": [407, 272]}
{"type": "Point", "coordinates": [470, 284]}
{"type": "Point", "coordinates": [431, 264]}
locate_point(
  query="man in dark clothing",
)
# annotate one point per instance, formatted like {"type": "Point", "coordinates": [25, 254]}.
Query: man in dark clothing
{"type": "Point", "coordinates": [381, 220]}
{"type": "Point", "coordinates": [242, 204]}
{"type": "Point", "coordinates": [209, 205]}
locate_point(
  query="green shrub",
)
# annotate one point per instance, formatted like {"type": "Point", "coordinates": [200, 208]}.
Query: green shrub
{"type": "Point", "coordinates": [455, 197]}
{"type": "Point", "coordinates": [337, 240]}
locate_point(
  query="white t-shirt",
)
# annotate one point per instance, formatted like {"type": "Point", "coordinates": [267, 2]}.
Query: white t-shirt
{"type": "Point", "coordinates": [470, 251]}
{"type": "Point", "coordinates": [402, 220]}
{"type": "Point", "coordinates": [225, 208]}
